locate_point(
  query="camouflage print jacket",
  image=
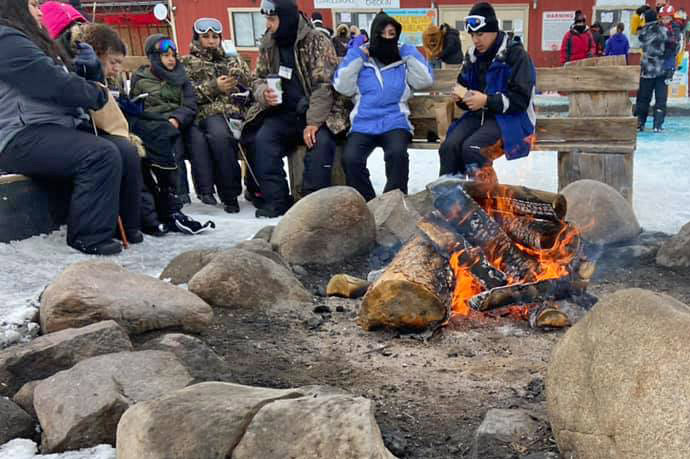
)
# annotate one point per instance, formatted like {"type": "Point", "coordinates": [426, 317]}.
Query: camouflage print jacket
{"type": "Point", "coordinates": [204, 66]}
{"type": "Point", "coordinates": [316, 63]}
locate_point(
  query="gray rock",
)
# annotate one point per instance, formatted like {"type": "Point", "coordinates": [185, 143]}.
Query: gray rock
{"type": "Point", "coordinates": [421, 201]}
{"type": "Point", "coordinates": [80, 407]}
{"type": "Point", "coordinates": [14, 421]}
{"type": "Point", "coordinates": [25, 397]}
{"type": "Point", "coordinates": [499, 429]}
{"type": "Point", "coordinates": [619, 380]}
{"type": "Point", "coordinates": [300, 270]}
{"type": "Point", "coordinates": [185, 265]}
{"type": "Point", "coordinates": [600, 212]}
{"type": "Point", "coordinates": [265, 233]}
{"type": "Point", "coordinates": [48, 354]}
{"type": "Point", "coordinates": [632, 252]}
{"type": "Point", "coordinates": [239, 278]}
{"type": "Point", "coordinates": [261, 247]}
{"type": "Point", "coordinates": [199, 359]}
{"type": "Point", "coordinates": [325, 227]}
{"type": "Point", "coordinates": [220, 420]}
{"type": "Point", "coordinates": [396, 220]}
{"type": "Point", "coordinates": [95, 290]}
{"type": "Point", "coordinates": [675, 252]}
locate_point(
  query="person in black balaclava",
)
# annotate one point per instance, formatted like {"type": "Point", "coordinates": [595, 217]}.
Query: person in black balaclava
{"type": "Point", "coordinates": [302, 60]}
{"type": "Point", "coordinates": [383, 44]}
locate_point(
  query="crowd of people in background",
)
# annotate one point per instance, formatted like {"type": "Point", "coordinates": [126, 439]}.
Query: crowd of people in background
{"type": "Point", "coordinates": [65, 111]}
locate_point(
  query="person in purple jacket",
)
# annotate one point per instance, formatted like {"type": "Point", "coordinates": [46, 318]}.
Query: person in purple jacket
{"type": "Point", "coordinates": [617, 44]}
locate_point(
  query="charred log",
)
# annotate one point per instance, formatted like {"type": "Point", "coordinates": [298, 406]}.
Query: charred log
{"type": "Point", "coordinates": [533, 233]}
{"type": "Point", "coordinates": [412, 293]}
{"type": "Point", "coordinates": [518, 200]}
{"type": "Point", "coordinates": [447, 241]}
{"type": "Point", "coordinates": [480, 230]}
{"type": "Point", "coordinates": [534, 292]}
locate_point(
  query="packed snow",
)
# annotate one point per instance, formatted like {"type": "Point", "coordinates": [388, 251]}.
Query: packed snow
{"type": "Point", "coordinates": [26, 449]}
{"type": "Point", "coordinates": [662, 193]}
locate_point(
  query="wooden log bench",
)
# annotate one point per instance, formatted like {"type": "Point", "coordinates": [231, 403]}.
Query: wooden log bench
{"type": "Point", "coordinates": [597, 139]}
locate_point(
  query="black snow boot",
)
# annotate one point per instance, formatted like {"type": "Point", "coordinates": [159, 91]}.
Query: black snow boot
{"type": "Point", "coordinates": [109, 247]}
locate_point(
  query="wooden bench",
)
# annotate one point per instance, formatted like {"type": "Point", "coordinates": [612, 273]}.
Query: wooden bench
{"type": "Point", "coordinates": [597, 139]}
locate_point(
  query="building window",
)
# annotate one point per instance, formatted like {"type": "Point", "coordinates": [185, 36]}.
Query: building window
{"type": "Point", "coordinates": [248, 28]}
{"type": "Point", "coordinates": [362, 20]}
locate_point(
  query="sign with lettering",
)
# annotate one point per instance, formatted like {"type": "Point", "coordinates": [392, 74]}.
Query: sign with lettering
{"type": "Point", "coordinates": [554, 26]}
{"type": "Point", "coordinates": [358, 4]}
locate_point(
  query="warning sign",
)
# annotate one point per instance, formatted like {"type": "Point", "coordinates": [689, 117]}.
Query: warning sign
{"type": "Point", "coordinates": [554, 26]}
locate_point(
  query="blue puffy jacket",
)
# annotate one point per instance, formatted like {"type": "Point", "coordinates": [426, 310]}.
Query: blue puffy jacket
{"type": "Point", "coordinates": [617, 45]}
{"type": "Point", "coordinates": [510, 86]}
{"type": "Point", "coordinates": [380, 93]}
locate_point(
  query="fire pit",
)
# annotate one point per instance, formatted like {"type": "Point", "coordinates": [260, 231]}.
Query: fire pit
{"type": "Point", "coordinates": [494, 249]}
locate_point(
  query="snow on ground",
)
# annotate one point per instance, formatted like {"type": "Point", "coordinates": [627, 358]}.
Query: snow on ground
{"type": "Point", "coordinates": [662, 193]}
{"type": "Point", "coordinates": [26, 449]}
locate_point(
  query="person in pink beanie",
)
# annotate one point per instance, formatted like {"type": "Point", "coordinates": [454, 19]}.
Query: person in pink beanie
{"type": "Point", "coordinates": [62, 22]}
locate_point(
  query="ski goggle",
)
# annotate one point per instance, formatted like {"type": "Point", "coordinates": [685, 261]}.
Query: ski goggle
{"type": "Point", "coordinates": [203, 25]}
{"type": "Point", "coordinates": [474, 23]}
{"type": "Point", "coordinates": [166, 45]}
{"type": "Point", "coordinates": [268, 8]}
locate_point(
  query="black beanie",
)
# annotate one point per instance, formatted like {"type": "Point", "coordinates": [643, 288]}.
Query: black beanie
{"type": "Point", "coordinates": [487, 11]}
{"type": "Point", "coordinates": [649, 16]}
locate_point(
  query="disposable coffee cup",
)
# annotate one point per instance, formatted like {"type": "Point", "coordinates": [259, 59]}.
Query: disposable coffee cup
{"type": "Point", "coordinates": [274, 83]}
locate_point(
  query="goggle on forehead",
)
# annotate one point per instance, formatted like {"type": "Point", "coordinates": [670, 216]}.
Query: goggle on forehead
{"type": "Point", "coordinates": [268, 8]}
{"type": "Point", "coordinates": [166, 45]}
{"type": "Point", "coordinates": [474, 23]}
{"type": "Point", "coordinates": [203, 25]}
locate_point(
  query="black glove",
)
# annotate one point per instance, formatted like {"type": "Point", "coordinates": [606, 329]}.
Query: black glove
{"type": "Point", "coordinates": [87, 64]}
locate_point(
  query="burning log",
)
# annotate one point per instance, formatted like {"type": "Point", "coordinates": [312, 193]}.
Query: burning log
{"type": "Point", "coordinates": [518, 200]}
{"type": "Point", "coordinates": [482, 231]}
{"type": "Point", "coordinates": [534, 292]}
{"type": "Point", "coordinates": [412, 293]}
{"type": "Point", "coordinates": [447, 241]}
{"type": "Point", "coordinates": [533, 233]}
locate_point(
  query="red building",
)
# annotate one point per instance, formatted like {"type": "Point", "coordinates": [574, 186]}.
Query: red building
{"type": "Point", "coordinates": [540, 23]}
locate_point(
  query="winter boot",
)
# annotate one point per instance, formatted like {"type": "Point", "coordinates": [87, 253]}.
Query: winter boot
{"type": "Point", "coordinates": [255, 197]}
{"type": "Point", "coordinates": [231, 206]}
{"type": "Point", "coordinates": [659, 118]}
{"type": "Point", "coordinates": [208, 199]}
{"type": "Point", "coordinates": [158, 230]}
{"type": "Point", "coordinates": [133, 237]}
{"type": "Point", "coordinates": [109, 247]}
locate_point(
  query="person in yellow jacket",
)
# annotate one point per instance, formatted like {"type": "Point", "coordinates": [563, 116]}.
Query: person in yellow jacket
{"type": "Point", "coordinates": [637, 19]}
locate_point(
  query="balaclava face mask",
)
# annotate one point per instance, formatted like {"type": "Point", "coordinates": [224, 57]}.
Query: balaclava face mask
{"type": "Point", "coordinates": [287, 12]}
{"type": "Point", "coordinates": [580, 17]}
{"type": "Point", "coordinates": [382, 49]}
{"type": "Point", "coordinates": [176, 76]}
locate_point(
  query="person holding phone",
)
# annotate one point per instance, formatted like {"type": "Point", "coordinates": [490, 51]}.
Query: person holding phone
{"type": "Point", "coordinates": [221, 84]}
{"type": "Point", "coordinates": [496, 87]}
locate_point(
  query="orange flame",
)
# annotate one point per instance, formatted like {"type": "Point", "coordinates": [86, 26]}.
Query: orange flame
{"type": "Point", "coordinates": [466, 286]}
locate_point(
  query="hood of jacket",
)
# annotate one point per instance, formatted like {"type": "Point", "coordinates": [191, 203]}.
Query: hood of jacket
{"type": "Point", "coordinates": [303, 29]}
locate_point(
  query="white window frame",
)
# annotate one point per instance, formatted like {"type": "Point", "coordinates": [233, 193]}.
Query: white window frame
{"type": "Point", "coordinates": [232, 26]}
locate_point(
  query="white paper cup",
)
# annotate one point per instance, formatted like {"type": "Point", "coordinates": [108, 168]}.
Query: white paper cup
{"type": "Point", "coordinates": [274, 83]}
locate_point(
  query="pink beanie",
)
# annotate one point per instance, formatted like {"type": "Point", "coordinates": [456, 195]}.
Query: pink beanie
{"type": "Point", "coordinates": [58, 16]}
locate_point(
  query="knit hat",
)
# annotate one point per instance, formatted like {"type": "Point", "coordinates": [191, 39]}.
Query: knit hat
{"type": "Point", "coordinates": [151, 41]}
{"type": "Point", "coordinates": [58, 16]}
{"type": "Point", "coordinates": [649, 16]}
{"type": "Point", "coordinates": [579, 17]}
{"type": "Point", "coordinates": [487, 11]}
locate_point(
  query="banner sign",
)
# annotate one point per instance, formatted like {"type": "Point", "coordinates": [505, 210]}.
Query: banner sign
{"type": "Point", "coordinates": [414, 22]}
{"type": "Point", "coordinates": [356, 4]}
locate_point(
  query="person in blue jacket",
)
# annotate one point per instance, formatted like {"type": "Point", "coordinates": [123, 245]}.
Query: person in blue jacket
{"type": "Point", "coordinates": [496, 87]}
{"type": "Point", "coordinates": [380, 76]}
{"type": "Point", "coordinates": [617, 44]}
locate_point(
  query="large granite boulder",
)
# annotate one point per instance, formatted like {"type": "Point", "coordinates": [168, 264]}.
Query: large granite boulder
{"type": "Point", "coordinates": [14, 421]}
{"type": "Point", "coordinates": [185, 265]}
{"type": "Point", "coordinates": [619, 381]}
{"type": "Point", "coordinates": [220, 420]}
{"type": "Point", "coordinates": [80, 407]}
{"type": "Point", "coordinates": [600, 212]}
{"type": "Point", "coordinates": [239, 278]}
{"type": "Point", "coordinates": [675, 253]}
{"type": "Point", "coordinates": [95, 290]}
{"type": "Point", "coordinates": [396, 220]}
{"type": "Point", "coordinates": [325, 227]}
{"type": "Point", "coordinates": [48, 354]}
{"type": "Point", "coordinates": [199, 359]}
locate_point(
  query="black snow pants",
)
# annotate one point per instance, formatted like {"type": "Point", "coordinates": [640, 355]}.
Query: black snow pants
{"type": "Point", "coordinates": [277, 136]}
{"type": "Point", "coordinates": [104, 172]}
{"type": "Point", "coordinates": [659, 88]}
{"type": "Point", "coordinates": [358, 148]}
{"type": "Point", "coordinates": [463, 145]}
{"type": "Point", "coordinates": [213, 152]}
